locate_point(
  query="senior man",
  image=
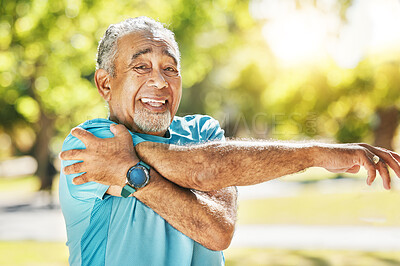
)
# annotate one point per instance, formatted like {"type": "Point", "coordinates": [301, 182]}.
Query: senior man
{"type": "Point", "coordinates": [175, 174]}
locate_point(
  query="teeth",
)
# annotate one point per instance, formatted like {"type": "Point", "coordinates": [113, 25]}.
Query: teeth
{"type": "Point", "coordinates": [147, 100]}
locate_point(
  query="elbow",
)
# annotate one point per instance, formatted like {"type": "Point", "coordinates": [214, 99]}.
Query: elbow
{"type": "Point", "coordinates": [201, 181]}
{"type": "Point", "coordinates": [222, 239]}
{"type": "Point", "coordinates": [202, 173]}
{"type": "Point", "coordinates": [224, 242]}
{"type": "Point", "coordinates": [206, 174]}
{"type": "Point", "coordinates": [205, 179]}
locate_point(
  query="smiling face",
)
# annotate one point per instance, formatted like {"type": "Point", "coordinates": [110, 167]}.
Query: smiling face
{"type": "Point", "coordinates": [145, 92]}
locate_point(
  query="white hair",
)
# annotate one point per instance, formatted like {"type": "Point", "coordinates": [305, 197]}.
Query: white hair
{"type": "Point", "coordinates": [107, 49]}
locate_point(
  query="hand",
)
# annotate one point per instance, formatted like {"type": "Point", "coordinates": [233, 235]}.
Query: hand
{"type": "Point", "coordinates": [105, 161]}
{"type": "Point", "coordinates": [350, 157]}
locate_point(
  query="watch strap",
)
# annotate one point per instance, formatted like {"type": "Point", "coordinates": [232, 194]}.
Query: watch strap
{"type": "Point", "coordinates": [144, 164]}
{"type": "Point", "coordinates": [127, 190]}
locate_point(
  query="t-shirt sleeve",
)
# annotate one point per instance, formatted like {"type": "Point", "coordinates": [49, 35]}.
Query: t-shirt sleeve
{"type": "Point", "coordinates": [85, 191]}
{"type": "Point", "coordinates": [211, 130]}
{"type": "Point", "coordinates": [137, 139]}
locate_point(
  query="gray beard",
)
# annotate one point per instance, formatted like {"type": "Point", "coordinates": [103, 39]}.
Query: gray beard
{"type": "Point", "coordinates": [152, 122]}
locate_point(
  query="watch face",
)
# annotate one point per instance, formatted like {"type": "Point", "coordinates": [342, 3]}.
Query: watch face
{"type": "Point", "coordinates": [138, 176]}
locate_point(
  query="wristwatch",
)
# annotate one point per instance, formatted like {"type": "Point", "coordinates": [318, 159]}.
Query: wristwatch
{"type": "Point", "coordinates": [137, 177]}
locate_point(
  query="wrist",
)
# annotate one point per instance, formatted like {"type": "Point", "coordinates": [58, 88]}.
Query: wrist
{"type": "Point", "coordinates": [318, 153]}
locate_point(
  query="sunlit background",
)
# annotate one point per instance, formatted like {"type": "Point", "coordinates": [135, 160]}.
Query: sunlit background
{"type": "Point", "coordinates": [272, 69]}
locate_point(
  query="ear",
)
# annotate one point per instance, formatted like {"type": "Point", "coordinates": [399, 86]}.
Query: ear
{"type": "Point", "coordinates": [102, 80]}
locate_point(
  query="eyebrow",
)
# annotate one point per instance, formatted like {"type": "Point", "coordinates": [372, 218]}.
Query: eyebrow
{"type": "Point", "coordinates": [149, 50]}
{"type": "Point", "coordinates": [141, 52]}
{"type": "Point", "coordinates": [168, 53]}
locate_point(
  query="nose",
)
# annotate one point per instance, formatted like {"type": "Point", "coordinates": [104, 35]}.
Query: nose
{"type": "Point", "coordinates": [157, 80]}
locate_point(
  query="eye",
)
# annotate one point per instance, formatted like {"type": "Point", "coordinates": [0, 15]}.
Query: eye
{"type": "Point", "coordinates": [171, 71]}
{"type": "Point", "coordinates": [142, 69]}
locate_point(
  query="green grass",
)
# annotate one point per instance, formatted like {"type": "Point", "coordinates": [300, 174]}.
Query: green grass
{"type": "Point", "coordinates": [32, 253]}
{"type": "Point", "coordinates": [315, 208]}
{"type": "Point", "coordinates": [279, 257]}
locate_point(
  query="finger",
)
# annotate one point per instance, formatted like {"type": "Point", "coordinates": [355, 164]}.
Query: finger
{"type": "Point", "coordinates": [391, 158]}
{"type": "Point", "coordinates": [396, 156]}
{"type": "Point", "coordinates": [384, 172]}
{"type": "Point", "coordinates": [84, 135]}
{"type": "Point", "coordinates": [82, 179]}
{"type": "Point", "coordinates": [392, 162]}
{"type": "Point", "coordinates": [75, 168]}
{"type": "Point", "coordinates": [354, 169]}
{"type": "Point", "coordinates": [337, 171]}
{"type": "Point", "coordinates": [75, 154]}
{"type": "Point", "coordinates": [124, 137]}
{"type": "Point", "coordinates": [387, 156]}
{"type": "Point", "coordinates": [369, 165]}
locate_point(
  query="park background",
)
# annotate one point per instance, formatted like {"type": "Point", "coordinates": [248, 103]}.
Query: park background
{"type": "Point", "coordinates": [320, 70]}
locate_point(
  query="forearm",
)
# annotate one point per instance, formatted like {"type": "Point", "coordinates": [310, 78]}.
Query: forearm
{"type": "Point", "coordinates": [216, 165]}
{"type": "Point", "coordinates": [209, 221]}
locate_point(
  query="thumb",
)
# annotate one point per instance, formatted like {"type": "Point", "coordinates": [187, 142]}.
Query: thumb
{"type": "Point", "coordinates": [354, 169]}
{"type": "Point", "coordinates": [118, 130]}
{"type": "Point", "coordinates": [79, 180]}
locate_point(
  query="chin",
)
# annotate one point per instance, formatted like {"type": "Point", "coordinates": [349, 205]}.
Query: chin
{"type": "Point", "coordinates": [152, 122]}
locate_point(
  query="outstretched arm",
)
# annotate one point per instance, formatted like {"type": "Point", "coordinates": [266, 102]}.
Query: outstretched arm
{"type": "Point", "coordinates": [208, 218]}
{"type": "Point", "coordinates": [219, 164]}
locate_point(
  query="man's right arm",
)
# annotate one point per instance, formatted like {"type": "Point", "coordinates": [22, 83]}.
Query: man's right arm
{"type": "Point", "coordinates": [208, 218]}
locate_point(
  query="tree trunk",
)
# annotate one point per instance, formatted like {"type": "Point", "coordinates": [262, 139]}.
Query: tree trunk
{"type": "Point", "coordinates": [388, 120]}
{"type": "Point", "coordinates": [45, 170]}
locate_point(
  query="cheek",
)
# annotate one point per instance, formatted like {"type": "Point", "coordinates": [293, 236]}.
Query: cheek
{"type": "Point", "coordinates": [130, 90]}
{"type": "Point", "coordinates": [177, 93]}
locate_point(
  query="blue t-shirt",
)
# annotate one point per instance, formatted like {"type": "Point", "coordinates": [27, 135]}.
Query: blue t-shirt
{"type": "Point", "coordinates": [108, 230]}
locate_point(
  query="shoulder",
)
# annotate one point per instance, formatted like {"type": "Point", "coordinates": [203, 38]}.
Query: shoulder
{"type": "Point", "coordinates": [100, 127]}
{"type": "Point", "coordinates": [195, 120]}
{"type": "Point", "coordinates": [205, 126]}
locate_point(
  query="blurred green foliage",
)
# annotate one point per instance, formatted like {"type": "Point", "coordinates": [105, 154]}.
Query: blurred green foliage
{"type": "Point", "coordinates": [47, 63]}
